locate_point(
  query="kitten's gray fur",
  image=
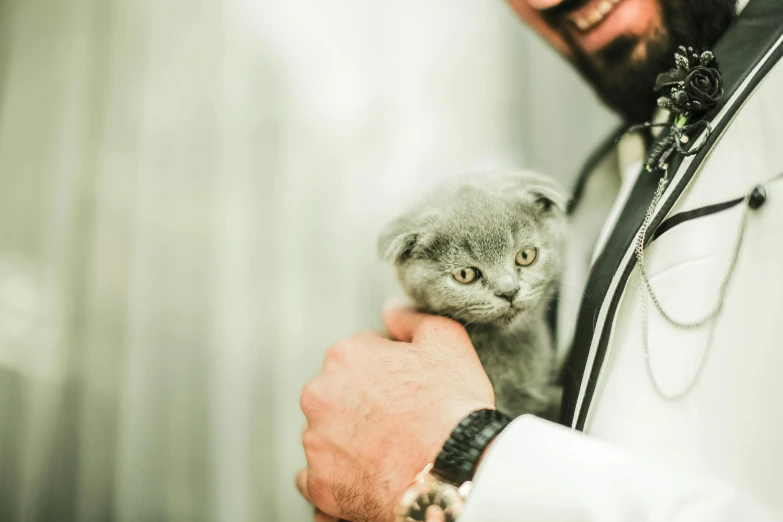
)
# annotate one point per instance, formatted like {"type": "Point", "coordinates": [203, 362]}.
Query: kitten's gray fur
{"type": "Point", "coordinates": [482, 222]}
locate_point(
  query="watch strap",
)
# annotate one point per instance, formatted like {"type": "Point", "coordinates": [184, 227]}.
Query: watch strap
{"type": "Point", "coordinates": [457, 461]}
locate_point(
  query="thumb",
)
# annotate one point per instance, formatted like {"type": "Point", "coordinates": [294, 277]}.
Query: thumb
{"type": "Point", "coordinates": [405, 324]}
{"type": "Point", "coordinates": [401, 321]}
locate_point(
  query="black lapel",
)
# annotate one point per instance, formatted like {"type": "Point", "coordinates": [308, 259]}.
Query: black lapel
{"type": "Point", "coordinates": [576, 197]}
{"type": "Point", "coordinates": [739, 51]}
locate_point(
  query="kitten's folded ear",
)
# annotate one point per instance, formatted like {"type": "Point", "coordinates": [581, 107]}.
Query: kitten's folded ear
{"type": "Point", "coordinates": [548, 198]}
{"type": "Point", "coordinates": [397, 240]}
{"type": "Point", "coordinates": [546, 194]}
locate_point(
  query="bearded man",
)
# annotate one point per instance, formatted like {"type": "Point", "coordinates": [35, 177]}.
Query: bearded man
{"type": "Point", "coordinates": [670, 309]}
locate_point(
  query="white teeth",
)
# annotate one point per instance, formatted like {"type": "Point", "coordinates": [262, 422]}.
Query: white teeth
{"type": "Point", "coordinates": [589, 20]}
{"type": "Point", "coordinates": [595, 17]}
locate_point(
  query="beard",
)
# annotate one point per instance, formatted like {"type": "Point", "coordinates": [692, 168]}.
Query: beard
{"type": "Point", "coordinates": [624, 82]}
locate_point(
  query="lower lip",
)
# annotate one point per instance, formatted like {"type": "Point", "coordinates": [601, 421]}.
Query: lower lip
{"type": "Point", "coordinates": [623, 18]}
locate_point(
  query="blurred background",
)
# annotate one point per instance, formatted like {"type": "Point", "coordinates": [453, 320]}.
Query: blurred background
{"type": "Point", "coordinates": [190, 192]}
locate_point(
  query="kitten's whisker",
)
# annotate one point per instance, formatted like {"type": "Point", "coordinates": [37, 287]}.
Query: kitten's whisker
{"type": "Point", "coordinates": [481, 318]}
{"type": "Point", "coordinates": [455, 314]}
{"type": "Point", "coordinates": [453, 317]}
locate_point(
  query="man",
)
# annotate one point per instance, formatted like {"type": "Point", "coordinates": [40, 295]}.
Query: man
{"type": "Point", "coordinates": [673, 381]}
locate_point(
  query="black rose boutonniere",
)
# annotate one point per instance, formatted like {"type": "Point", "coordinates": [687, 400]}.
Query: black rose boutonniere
{"type": "Point", "coordinates": [688, 91]}
{"type": "Point", "coordinates": [693, 87]}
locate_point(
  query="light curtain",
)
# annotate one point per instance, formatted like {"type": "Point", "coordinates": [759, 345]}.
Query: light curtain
{"type": "Point", "coordinates": [189, 197]}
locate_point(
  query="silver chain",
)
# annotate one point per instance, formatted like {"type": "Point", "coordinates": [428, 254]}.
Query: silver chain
{"type": "Point", "coordinates": [647, 290]}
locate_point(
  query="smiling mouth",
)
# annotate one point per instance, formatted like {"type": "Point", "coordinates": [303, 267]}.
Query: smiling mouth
{"type": "Point", "coordinates": [591, 16]}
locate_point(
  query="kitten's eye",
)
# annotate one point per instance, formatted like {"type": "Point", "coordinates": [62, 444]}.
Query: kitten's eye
{"type": "Point", "coordinates": [527, 256]}
{"type": "Point", "coordinates": [466, 275]}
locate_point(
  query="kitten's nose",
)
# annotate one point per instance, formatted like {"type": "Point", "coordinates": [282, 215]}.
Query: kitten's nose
{"type": "Point", "coordinates": [507, 288]}
{"type": "Point", "coordinates": [508, 294]}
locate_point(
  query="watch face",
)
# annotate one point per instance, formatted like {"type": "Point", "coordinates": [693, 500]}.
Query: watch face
{"type": "Point", "coordinates": [430, 502]}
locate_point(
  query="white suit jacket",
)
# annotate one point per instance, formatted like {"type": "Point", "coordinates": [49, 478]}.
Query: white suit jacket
{"type": "Point", "coordinates": [625, 453]}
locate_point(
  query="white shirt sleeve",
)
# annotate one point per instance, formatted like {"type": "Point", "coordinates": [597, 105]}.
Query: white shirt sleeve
{"type": "Point", "coordinates": [539, 471]}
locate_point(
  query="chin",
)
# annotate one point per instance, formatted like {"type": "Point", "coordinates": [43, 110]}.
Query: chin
{"type": "Point", "coordinates": [506, 317]}
{"type": "Point", "coordinates": [500, 318]}
{"type": "Point", "coordinates": [507, 320]}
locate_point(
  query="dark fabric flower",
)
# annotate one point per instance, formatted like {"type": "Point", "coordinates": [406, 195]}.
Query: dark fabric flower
{"type": "Point", "coordinates": [693, 87]}
{"type": "Point", "coordinates": [688, 92]}
{"type": "Point", "coordinates": [704, 87]}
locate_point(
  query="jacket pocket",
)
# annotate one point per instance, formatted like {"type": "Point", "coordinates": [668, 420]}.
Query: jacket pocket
{"type": "Point", "coordinates": [701, 212]}
{"type": "Point", "coordinates": [690, 237]}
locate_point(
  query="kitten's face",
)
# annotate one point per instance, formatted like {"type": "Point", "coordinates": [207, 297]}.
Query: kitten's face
{"type": "Point", "coordinates": [481, 252]}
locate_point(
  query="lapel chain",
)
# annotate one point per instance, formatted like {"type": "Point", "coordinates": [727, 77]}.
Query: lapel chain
{"type": "Point", "coordinates": [647, 291]}
{"type": "Point", "coordinates": [688, 91]}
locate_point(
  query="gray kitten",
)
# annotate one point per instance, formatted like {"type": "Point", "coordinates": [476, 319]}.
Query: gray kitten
{"type": "Point", "coordinates": [486, 251]}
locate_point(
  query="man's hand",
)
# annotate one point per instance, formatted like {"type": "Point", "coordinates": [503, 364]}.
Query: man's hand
{"type": "Point", "coordinates": [380, 410]}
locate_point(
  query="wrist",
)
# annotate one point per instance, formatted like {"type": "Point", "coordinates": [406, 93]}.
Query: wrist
{"type": "Point", "coordinates": [460, 455]}
{"type": "Point", "coordinates": [444, 484]}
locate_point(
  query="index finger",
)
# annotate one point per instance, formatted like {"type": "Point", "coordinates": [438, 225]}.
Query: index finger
{"type": "Point", "coordinates": [407, 325]}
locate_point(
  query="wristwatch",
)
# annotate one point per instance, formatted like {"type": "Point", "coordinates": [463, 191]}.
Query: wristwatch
{"type": "Point", "coordinates": [442, 486]}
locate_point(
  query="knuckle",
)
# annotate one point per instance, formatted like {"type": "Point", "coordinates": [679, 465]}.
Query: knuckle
{"type": "Point", "coordinates": [338, 352]}
{"type": "Point", "coordinates": [310, 443]}
{"type": "Point", "coordinates": [310, 399]}
{"type": "Point", "coordinates": [317, 488]}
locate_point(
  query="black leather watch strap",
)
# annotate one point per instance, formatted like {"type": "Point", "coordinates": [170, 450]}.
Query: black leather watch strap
{"type": "Point", "coordinates": [457, 461]}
